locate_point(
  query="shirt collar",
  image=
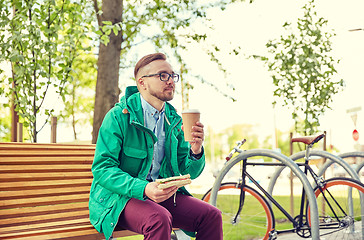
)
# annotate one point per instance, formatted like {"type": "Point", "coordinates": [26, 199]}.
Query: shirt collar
{"type": "Point", "coordinates": [149, 109]}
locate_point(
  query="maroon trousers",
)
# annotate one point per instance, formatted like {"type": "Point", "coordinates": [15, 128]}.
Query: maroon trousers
{"type": "Point", "coordinates": [155, 220]}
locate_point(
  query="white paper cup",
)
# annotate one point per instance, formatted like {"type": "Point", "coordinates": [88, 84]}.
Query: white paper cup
{"type": "Point", "coordinates": [189, 119]}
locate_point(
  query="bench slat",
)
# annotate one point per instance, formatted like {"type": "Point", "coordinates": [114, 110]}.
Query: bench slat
{"type": "Point", "coordinates": [62, 223]}
{"type": "Point", "coordinates": [74, 231]}
{"type": "Point", "coordinates": [30, 220]}
{"type": "Point", "coordinates": [55, 176]}
{"type": "Point", "coordinates": [77, 234]}
{"type": "Point", "coordinates": [26, 160]}
{"type": "Point", "coordinates": [43, 153]}
{"type": "Point", "coordinates": [45, 146]}
{"type": "Point", "coordinates": [45, 167]}
{"type": "Point", "coordinates": [49, 192]}
{"type": "Point", "coordinates": [59, 226]}
{"type": "Point", "coordinates": [32, 202]}
{"type": "Point", "coordinates": [16, 186]}
{"type": "Point", "coordinates": [33, 211]}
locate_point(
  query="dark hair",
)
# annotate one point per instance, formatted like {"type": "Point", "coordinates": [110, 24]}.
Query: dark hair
{"type": "Point", "coordinates": [146, 60]}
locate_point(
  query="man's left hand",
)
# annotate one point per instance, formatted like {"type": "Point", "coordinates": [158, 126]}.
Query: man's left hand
{"type": "Point", "coordinates": [198, 138]}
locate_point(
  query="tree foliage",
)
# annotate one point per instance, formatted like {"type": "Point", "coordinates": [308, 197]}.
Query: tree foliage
{"type": "Point", "coordinates": [303, 69]}
{"type": "Point", "coordinates": [168, 26]}
{"type": "Point", "coordinates": [80, 93]}
{"type": "Point", "coordinates": [218, 144]}
{"type": "Point", "coordinates": [40, 39]}
{"type": "Point", "coordinates": [4, 124]}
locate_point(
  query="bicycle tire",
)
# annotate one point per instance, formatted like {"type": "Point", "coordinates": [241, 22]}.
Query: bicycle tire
{"type": "Point", "coordinates": [347, 225]}
{"type": "Point", "coordinates": [257, 218]}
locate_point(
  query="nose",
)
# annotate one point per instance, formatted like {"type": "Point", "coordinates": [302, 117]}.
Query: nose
{"type": "Point", "coordinates": [170, 81]}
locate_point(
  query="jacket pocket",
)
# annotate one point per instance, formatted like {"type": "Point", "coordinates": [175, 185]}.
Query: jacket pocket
{"type": "Point", "coordinates": [100, 204]}
{"type": "Point", "coordinates": [132, 160]}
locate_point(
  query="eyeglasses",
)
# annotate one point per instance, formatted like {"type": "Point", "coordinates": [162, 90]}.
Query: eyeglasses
{"type": "Point", "coordinates": [164, 77]}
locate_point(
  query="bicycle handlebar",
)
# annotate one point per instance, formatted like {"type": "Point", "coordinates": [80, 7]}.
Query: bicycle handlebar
{"type": "Point", "coordinates": [235, 149]}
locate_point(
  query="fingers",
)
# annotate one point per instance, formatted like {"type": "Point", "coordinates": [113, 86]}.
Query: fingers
{"type": "Point", "coordinates": [164, 194]}
{"type": "Point", "coordinates": [159, 195]}
{"type": "Point", "coordinates": [198, 133]}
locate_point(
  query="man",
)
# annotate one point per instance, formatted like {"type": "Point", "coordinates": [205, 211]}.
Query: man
{"type": "Point", "coordinates": [141, 140]}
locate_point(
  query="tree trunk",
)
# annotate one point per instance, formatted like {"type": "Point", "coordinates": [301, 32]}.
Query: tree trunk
{"type": "Point", "coordinates": [107, 89]}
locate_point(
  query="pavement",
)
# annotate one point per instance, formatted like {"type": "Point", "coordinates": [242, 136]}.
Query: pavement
{"type": "Point", "coordinates": [290, 236]}
{"type": "Point", "coordinates": [357, 235]}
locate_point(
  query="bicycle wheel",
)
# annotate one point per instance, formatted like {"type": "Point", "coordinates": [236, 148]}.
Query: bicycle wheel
{"type": "Point", "coordinates": [340, 213]}
{"type": "Point", "coordinates": [256, 220]}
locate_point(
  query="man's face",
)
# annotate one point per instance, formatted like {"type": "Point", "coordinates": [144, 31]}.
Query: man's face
{"type": "Point", "coordinates": [155, 88]}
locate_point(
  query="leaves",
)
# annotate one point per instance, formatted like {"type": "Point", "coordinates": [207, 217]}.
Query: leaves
{"type": "Point", "coordinates": [171, 27]}
{"type": "Point", "coordinates": [303, 71]}
{"type": "Point", "coordinates": [41, 40]}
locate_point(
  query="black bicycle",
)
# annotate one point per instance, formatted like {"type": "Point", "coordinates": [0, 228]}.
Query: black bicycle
{"type": "Point", "coordinates": [247, 209]}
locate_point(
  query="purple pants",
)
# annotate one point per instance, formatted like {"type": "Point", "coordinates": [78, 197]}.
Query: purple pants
{"type": "Point", "coordinates": [155, 220]}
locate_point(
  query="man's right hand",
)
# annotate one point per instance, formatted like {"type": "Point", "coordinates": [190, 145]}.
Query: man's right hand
{"type": "Point", "coordinates": [159, 195]}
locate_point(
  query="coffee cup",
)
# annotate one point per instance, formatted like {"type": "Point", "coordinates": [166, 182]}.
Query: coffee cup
{"type": "Point", "coordinates": [189, 119]}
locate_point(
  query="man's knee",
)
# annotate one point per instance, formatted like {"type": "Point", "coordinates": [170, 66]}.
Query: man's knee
{"type": "Point", "coordinates": [158, 225]}
{"type": "Point", "coordinates": [161, 218]}
{"type": "Point", "coordinates": [215, 213]}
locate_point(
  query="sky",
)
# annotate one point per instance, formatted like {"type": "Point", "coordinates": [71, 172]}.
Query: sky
{"type": "Point", "coordinates": [251, 26]}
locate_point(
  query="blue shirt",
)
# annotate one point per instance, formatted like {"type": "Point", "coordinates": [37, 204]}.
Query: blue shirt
{"type": "Point", "coordinates": [154, 120]}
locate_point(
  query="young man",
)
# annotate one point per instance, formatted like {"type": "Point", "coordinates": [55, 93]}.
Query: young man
{"type": "Point", "coordinates": [141, 140]}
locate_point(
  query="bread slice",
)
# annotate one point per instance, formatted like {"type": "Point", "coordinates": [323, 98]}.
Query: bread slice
{"type": "Point", "coordinates": [178, 181]}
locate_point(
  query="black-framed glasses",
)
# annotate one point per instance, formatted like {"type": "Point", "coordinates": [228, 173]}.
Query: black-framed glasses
{"type": "Point", "coordinates": [164, 77]}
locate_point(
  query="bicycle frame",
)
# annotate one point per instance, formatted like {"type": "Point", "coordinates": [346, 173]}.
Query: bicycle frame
{"type": "Point", "coordinates": [245, 174]}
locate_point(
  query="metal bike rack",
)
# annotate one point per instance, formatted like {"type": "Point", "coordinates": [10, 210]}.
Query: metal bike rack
{"type": "Point", "coordinates": [288, 162]}
{"type": "Point", "coordinates": [360, 166]}
{"type": "Point", "coordinates": [345, 155]}
{"type": "Point", "coordinates": [331, 159]}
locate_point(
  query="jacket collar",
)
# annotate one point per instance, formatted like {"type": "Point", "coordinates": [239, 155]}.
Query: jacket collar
{"type": "Point", "coordinates": [131, 101]}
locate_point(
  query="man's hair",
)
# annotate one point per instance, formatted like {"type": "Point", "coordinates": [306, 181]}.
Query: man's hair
{"type": "Point", "coordinates": [146, 60]}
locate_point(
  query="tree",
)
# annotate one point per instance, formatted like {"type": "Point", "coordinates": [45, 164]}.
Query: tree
{"type": "Point", "coordinates": [167, 25]}
{"type": "Point", "coordinates": [4, 124]}
{"type": "Point", "coordinates": [40, 39]}
{"type": "Point", "coordinates": [303, 70]}
{"type": "Point", "coordinates": [218, 144]}
{"type": "Point", "coordinates": [80, 95]}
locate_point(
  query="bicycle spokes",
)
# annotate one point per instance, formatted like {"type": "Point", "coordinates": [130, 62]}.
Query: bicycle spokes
{"type": "Point", "coordinates": [340, 210]}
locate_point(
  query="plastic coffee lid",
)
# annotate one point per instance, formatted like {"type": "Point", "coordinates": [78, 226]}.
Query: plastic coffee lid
{"type": "Point", "coordinates": [191, 111]}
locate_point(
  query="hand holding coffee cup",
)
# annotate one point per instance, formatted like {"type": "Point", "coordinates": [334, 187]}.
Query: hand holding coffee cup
{"type": "Point", "coordinates": [189, 118]}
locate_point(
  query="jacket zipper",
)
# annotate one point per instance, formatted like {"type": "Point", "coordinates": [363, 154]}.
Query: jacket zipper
{"type": "Point", "coordinates": [170, 162]}
{"type": "Point", "coordinates": [170, 144]}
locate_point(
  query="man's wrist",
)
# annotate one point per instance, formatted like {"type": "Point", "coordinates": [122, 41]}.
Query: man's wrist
{"type": "Point", "coordinates": [197, 156]}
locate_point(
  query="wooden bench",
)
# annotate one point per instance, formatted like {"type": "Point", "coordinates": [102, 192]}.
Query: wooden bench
{"type": "Point", "coordinates": [44, 192]}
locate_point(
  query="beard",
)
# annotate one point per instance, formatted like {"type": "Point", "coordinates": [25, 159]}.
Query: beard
{"type": "Point", "coordinates": [166, 95]}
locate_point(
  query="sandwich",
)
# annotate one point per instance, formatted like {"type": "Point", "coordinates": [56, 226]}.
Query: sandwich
{"type": "Point", "coordinates": [178, 181]}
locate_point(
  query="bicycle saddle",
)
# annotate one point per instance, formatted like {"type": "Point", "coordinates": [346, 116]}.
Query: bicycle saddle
{"type": "Point", "coordinates": [309, 139]}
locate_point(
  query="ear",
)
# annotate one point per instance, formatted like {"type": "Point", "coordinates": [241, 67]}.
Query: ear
{"type": "Point", "coordinates": [141, 83]}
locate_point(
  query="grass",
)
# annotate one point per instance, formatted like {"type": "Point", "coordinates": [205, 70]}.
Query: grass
{"type": "Point", "coordinates": [253, 219]}
{"type": "Point", "coordinates": [281, 220]}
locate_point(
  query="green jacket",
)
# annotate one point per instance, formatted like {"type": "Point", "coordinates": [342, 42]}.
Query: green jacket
{"type": "Point", "coordinates": [123, 157]}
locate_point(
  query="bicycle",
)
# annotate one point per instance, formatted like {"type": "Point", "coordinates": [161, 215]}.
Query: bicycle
{"type": "Point", "coordinates": [251, 213]}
